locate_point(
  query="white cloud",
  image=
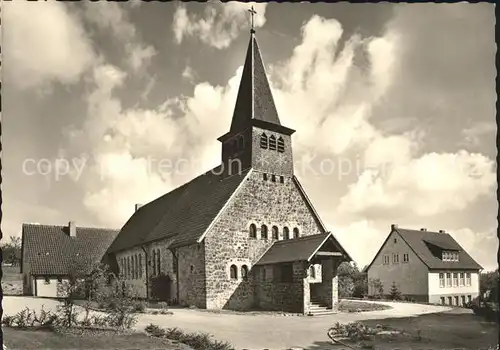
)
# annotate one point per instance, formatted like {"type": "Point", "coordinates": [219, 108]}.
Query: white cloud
{"type": "Point", "coordinates": [189, 74]}
{"type": "Point", "coordinates": [111, 16]}
{"type": "Point", "coordinates": [45, 43]}
{"type": "Point", "coordinates": [220, 25]}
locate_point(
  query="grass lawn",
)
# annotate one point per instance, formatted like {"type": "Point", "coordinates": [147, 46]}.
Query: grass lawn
{"type": "Point", "coordinates": [359, 306]}
{"type": "Point", "coordinates": [438, 331]}
{"type": "Point", "coordinates": [29, 339]}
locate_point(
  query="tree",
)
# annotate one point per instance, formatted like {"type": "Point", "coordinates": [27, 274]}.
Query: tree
{"type": "Point", "coordinates": [377, 287]}
{"type": "Point", "coordinates": [12, 251]}
{"type": "Point", "coordinates": [394, 293]}
{"type": "Point", "coordinates": [352, 282]}
{"type": "Point", "coordinates": [488, 282]}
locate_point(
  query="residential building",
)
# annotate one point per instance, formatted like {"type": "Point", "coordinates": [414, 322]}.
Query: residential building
{"type": "Point", "coordinates": [425, 266]}
{"type": "Point", "coordinates": [243, 235]}
{"type": "Point", "coordinates": [49, 254]}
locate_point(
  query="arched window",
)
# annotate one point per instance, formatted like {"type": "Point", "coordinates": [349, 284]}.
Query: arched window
{"type": "Point", "coordinates": [281, 145]}
{"type": "Point", "coordinates": [312, 271]}
{"type": "Point", "coordinates": [263, 232]}
{"type": "Point", "coordinates": [295, 232]}
{"type": "Point", "coordinates": [253, 231]}
{"type": "Point", "coordinates": [233, 272]}
{"type": "Point", "coordinates": [273, 178]}
{"type": "Point", "coordinates": [153, 262]}
{"type": "Point", "coordinates": [158, 261]}
{"type": "Point", "coordinates": [140, 265]}
{"type": "Point", "coordinates": [286, 233]}
{"type": "Point", "coordinates": [244, 272]}
{"type": "Point", "coordinates": [272, 143]}
{"type": "Point", "coordinates": [263, 141]}
{"type": "Point", "coordinates": [128, 267]}
{"type": "Point", "coordinates": [240, 142]}
{"type": "Point", "coordinates": [275, 232]}
{"type": "Point", "coordinates": [134, 270]}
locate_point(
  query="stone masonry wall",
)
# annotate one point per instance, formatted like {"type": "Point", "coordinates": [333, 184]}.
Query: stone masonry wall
{"type": "Point", "coordinates": [191, 262]}
{"type": "Point", "coordinates": [268, 160]}
{"type": "Point", "coordinates": [228, 242]}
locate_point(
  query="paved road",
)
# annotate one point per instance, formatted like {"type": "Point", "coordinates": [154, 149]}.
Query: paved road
{"type": "Point", "coordinates": [253, 331]}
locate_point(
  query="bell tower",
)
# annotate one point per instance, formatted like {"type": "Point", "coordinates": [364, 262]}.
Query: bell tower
{"type": "Point", "coordinates": [256, 138]}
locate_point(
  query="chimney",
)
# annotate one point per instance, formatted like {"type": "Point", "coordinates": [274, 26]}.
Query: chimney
{"type": "Point", "coordinates": [423, 229]}
{"type": "Point", "coordinates": [394, 226]}
{"type": "Point", "coordinates": [137, 206]}
{"type": "Point", "coordinates": [72, 229]}
{"type": "Point", "coordinates": [441, 231]}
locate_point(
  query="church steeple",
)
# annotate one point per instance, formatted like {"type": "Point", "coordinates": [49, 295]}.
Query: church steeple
{"type": "Point", "coordinates": [256, 137]}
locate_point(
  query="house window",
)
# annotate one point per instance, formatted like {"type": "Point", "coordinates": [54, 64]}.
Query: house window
{"type": "Point", "coordinates": [463, 300]}
{"type": "Point", "coordinates": [233, 272]}
{"type": "Point", "coordinates": [469, 298]}
{"type": "Point", "coordinates": [47, 280]}
{"type": "Point", "coordinates": [395, 240]}
{"type": "Point", "coordinates": [282, 179]}
{"type": "Point", "coordinates": [467, 279]}
{"type": "Point", "coordinates": [128, 268]}
{"type": "Point", "coordinates": [395, 258]}
{"type": "Point", "coordinates": [456, 301]}
{"type": "Point", "coordinates": [442, 301]}
{"type": "Point", "coordinates": [312, 272]}
{"type": "Point", "coordinates": [132, 262]}
{"type": "Point", "coordinates": [273, 178]}
{"type": "Point", "coordinates": [264, 176]}
{"type": "Point", "coordinates": [158, 261]}
{"type": "Point", "coordinates": [263, 232]}
{"type": "Point", "coordinates": [263, 141]}
{"type": "Point", "coordinates": [275, 232]}
{"type": "Point", "coordinates": [140, 265]}
{"type": "Point", "coordinates": [441, 280]}
{"type": "Point", "coordinates": [253, 231]}
{"type": "Point", "coordinates": [295, 232]}
{"type": "Point", "coordinates": [153, 262]}
{"type": "Point", "coordinates": [461, 281]}
{"type": "Point", "coordinates": [281, 145]}
{"type": "Point", "coordinates": [286, 273]}
{"type": "Point", "coordinates": [244, 272]}
{"type": "Point", "coordinates": [387, 260]}
{"type": "Point", "coordinates": [264, 273]}
{"type": "Point", "coordinates": [286, 233]}
{"type": "Point", "coordinates": [272, 143]}
{"type": "Point", "coordinates": [450, 301]}
{"type": "Point", "coordinates": [448, 279]}
{"type": "Point", "coordinates": [406, 257]}
{"type": "Point", "coordinates": [455, 279]}
{"type": "Point", "coordinates": [191, 268]}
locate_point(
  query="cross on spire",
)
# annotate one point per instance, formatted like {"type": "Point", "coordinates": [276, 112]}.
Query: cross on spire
{"type": "Point", "coordinates": [252, 13]}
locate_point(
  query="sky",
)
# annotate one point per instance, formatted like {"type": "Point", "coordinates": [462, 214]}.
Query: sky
{"type": "Point", "coordinates": [106, 105]}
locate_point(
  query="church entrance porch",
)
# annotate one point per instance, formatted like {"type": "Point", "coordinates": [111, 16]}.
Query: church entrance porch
{"type": "Point", "coordinates": [300, 275]}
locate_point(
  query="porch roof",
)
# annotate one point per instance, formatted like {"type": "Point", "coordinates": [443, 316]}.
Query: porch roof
{"type": "Point", "coordinates": [300, 249]}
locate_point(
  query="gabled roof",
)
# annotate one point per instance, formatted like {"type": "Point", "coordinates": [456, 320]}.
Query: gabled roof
{"type": "Point", "coordinates": [418, 241]}
{"type": "Point", "coordinates": [183, 214]}
{"type": "Point", "coordinates": [49, 250]}
{"type": "Point", "coordinates": [298, 249]}
{"type": "Point", "coordinates": [255, 100]}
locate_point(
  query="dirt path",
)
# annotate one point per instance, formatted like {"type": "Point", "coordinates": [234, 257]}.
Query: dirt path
{"type": "Point", "coordinates": [253, 331]}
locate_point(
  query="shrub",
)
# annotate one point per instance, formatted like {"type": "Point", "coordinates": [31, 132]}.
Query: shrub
{"type": "Point", "coordinates": [29, 318]}
{"type": "Point", "coordinates": [197, 341]}
{"type": "Point", "coordinates": [394, 293]}
{"type": "Point", "coordinates": [354, 331]}
{"type": "Point", "coordinates": [139, 306]}
{"type": "Point", "coordinates": [154, 330]}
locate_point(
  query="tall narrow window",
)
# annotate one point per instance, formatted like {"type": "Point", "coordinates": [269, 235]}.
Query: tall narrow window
{"type": "Point", "coordinates": [128, 267]}
{"type": "Point", "coordinates": [140, 265]}
{"type": "Point", "coordinates": [244, 272]}
{"type": "Point", "coordinates": [312, 272]}
{"type": "Point", "coordinates": [286, 233]}
{"type": "Point", "coordinates": [455, 279]}
{"type": "Point", "coordinates": [462, 279]}
{"type": "Point", "coordinates": [448, 279]}
{"type": "Point", "coordinates": [273, 178]}
{"type": "Point", "coordinates": [253, 231]}
{"type": "Point", "coordinates": [272, 143]}
{"type": "Point", "coordinates": [153, 262]}
{"type": "Point", "coordinates": [264, 277]}
{"type": "Point", "coordinates": [133, 266]}
{"type": "Point", "coordinates": [295, 232]}
{"type": "Point", "coordinates": [282, 179]}
{"type": "Point", "coordinates": [467, 279]}
{"type": "Point", "coordinates": [275, 232]}
{"type": "Point", "coordinates": [281, 145]}
{"type": "Point", "coordinates": [158, 262]}
{"type": "Point", "coordinates": [263, 232]}
{"type": "Point", "coordinates": [395, 258]}
{"type": "Point", "coordinates": [263, 141]}
{"type": "Point", "coordinates": [264, 176]}
{"type": "Point", "coordinates": [233, 272]}
{"type": "Point", "coordinates": [441, 280]}
{"type": "Point", "coordinates": [387, 260]}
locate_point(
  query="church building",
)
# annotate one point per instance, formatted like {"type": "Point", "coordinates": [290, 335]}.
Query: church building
{"type": "Point", "coordinates": [242, 236]}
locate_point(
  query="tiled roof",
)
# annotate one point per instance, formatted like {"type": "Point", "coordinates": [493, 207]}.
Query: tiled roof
{"type": "Point", "coordinates": [255, 100]}
{"type": "Point", "coordinates": [183, 214]}
{"type": "Point", "coordinates": [428, 245]}
{"type": "Point", "coordinates": [297, 249]}
{"type": "Point", "coordinates": [416, 240]}
{"type": "Point", "coordinates": [49, 250]}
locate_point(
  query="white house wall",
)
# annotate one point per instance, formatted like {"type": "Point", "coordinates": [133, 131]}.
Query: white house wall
{"type": "Point", "coordinates": [436, 292]}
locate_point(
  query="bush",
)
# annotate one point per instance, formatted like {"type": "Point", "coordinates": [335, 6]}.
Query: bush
{"type": "Point", "coordinates": [354, 331]}
{"type": "Point", "coordinates": [139, 306]}
{"type": "Point", "coordinates": [197, 341]}
{"type": "Point", "coordinates": [29, 318]}
{"type": "Point", "coordinates": [154, 330]}
{"type": "Point", "coordinates": [394, 293]}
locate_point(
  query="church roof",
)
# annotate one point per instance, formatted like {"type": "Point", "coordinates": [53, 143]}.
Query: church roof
{"type": "Point", "coordinates": [255, 100]}
{"type": "Point", "coordinates": [428, 246]}
{"type": "Point", "coordinates": [298, 249]}
{"type": "Point", "coordinates": [49, 250]}
{"type": "Point", "coordinates": [183, 214]}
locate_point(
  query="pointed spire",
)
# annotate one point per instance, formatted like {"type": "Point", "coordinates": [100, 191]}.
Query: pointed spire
{"type": "Point", "coordinates": [255, 100]}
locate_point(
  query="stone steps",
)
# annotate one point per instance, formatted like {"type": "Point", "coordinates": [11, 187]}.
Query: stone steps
{"type": "Point", "coordinates": [317, 308]}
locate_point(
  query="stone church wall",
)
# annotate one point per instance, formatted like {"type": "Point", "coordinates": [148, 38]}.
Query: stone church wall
{"type": "Point", "coordinates": [191, 262]}
{"type": "Point", "coordinates": [259, 202]}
